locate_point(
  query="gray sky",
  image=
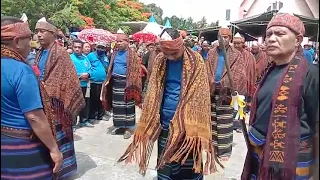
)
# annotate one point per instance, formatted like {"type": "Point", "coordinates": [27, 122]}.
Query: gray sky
{"type": "Point", "coordinates": [193, 8]}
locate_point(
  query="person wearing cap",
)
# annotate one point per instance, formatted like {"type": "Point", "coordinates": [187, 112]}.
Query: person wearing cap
{"type": "Point", "coordinates": [83, 69]}
{"type": "Point", "coordinates": [261, 59]}
{"type": "Point", "coordinates": [176, 112]}
{"type": "Point", "coordinates": [284, 112]}
{"type": "Point", "coordinates": [204, 50]}
{"type": "Point", "coordinates": [145, 59]}
{"type": "Point", "coordinates": [99, 66]}
{"type": "Point", "coordinates": [28, 147]}
{"type": "Point", "coordinates": [250, 67]}
{"type": "Point", "coordinates": [309, 47]}
{"type": "Point", "coordinates": [222, 112]}
{"type": "Point", "coordinates": [122, 88]}
{"type": "Point", "coordinates": [307, 51]}
{"type": "Point", "coordinates": [61, 83]}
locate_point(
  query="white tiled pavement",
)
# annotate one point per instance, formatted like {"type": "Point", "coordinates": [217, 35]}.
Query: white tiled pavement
{"type": "Point", "coordinates": [97, 152]}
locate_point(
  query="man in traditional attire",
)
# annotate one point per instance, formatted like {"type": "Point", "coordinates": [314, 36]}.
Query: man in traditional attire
{"type": "Point", "coordinates": [180, 121]}
{"type": "Point", "coordinates": [145, 59]}
{"type": "Point", "coordinates": [222, 112]}
{"type": "Point", "coordinates": [204, 50]}
{"type": "Point", "coordinates": [122, 89]}
{"type": "Point", "coordinates": [28, 148]}
{"type": "Point", "coordinates": [147, 62]}
{"type": "Point", "coordinates": [61, 83]}
{"type": "Point", "coordinates": [261, 61]}
{"type": "Point", "coordinates": [239, 44]}
{"type": "Point", "coordinates": [99, 67]}
{"type": "Point", "coordinates": [284, 111]}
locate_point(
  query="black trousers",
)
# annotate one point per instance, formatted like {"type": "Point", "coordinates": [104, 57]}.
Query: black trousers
{"type": "Point", "coordinates": [84, 113]}
{"type": "Point", "coordinates": [143, 80]}
{"type": "Point", "coordinates": [96, 107]}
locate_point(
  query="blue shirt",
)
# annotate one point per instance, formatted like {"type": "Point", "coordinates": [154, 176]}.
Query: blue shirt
{"type": "Point", "coordinates": [171, 94]}
{"type": "Point", "coordinates": [19, 93]}
{"type": "Point", "coordinates": [195, 48]}
{"type": "Point", "coordinates": [204, 55]}
{"type": "Point", "coordinates": [220, 66]}
{"type": "Point", "coordinates": [31, 57]}
{"type": "Point", "coordinates": [82, 65]}
{"type": "Point", "coordinates": [99, 67]}
{"type": "Point", "coordinates": [42, 62]}
{"type": "Point", "coordinates": [308, 56]}
{"type": "Point", "coordinates": [120, 63]}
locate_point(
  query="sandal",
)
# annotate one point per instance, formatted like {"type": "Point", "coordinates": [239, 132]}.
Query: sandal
{"type": "Point", "coordinates": [127, 135]}
{"type": "Point", "coordinates": [224, 158]}
{"type": "Point", "coordinates": [117, 131]}
{"type": "Point", "coordinates": [238, 130]}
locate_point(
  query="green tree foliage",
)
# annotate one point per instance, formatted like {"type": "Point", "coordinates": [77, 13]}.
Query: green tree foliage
{"type": "Point", "coordinates": [34, 9]}
{"type": "Point", "coordinates": [68, 17]}
{"type": "Point", "coordinates": [157, 12]}
{"type": "Point", "coordinates": [106, 14]}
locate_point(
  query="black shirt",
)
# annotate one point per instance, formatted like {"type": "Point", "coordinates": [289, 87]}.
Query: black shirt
{"type": "Point", "coordinates": [308, 108]}
{"type": "Point", "coordinates": [145, 59]}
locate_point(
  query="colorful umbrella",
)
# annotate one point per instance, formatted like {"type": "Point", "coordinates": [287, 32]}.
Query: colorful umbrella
{"type": "Point", "coordinates": [144, 37]}
{"type": "Point", "coordinates": [93, 36]}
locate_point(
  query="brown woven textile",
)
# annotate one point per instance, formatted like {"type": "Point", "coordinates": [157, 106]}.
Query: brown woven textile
{"type": "Point", "coordinates": [62, 85]}
{"type": "Point", "coordinates": [251, 71]}
{"type": "Point", "coordinates": [237, 67]}
{"type": "Point", "coordinates": [20, 30]}
{"type": "Point", "coordinates": [190, 128]}
{"type": "Point", "coordinates": [7, 52]}
{"type": "Point", "coordinates": [171, 47]}
{"type": "Point", "coordinates": [152, 57]}
{"type": "Point", "coordinates": [282, 142]}
{"type": "Point", "coordinates": [261, 59]}
{"type": "Point", "coordinates": [134, 85]}
{"type": "Point", "coordinates": [287, 20]}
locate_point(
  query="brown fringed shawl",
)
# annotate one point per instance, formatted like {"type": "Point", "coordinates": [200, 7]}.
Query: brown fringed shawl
{"type": "Point", "coordinates": [261, 64]}
{"type": "Point", "coordinates": [237, 67]}
{"type": "Point", "coordinates": [7, 52]}
{"type": "Point", "coordinates": [152, 56]}
{"type": "Point", "coordinates": [251, 71]}
{"type": "Point", "coordinates": [280, 152]}
{"type": "Point", "coordinates": [133, 83]}
{"type": "Point", "coordinates": [190, 128]}
{"type": "Point", "coordinates": [61, 83]}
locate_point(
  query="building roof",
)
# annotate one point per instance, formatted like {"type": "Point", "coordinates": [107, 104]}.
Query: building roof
{"type": "Point", "coordinates": [211, 33]}
{"type": "Point", "coordinates": [256, 25]}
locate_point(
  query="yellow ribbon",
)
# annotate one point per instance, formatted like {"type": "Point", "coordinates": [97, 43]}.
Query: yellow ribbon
{"type": "Point", "coordinates": [241, 104]}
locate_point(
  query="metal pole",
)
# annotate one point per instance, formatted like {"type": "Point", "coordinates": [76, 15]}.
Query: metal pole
{"type": "Point", "coordinates": [317, 41]}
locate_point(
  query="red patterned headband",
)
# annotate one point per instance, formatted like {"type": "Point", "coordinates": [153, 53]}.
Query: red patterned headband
{"type": "Point", "coordinates": [171, 47]}
{"type": "Point", "coordinates": [16, 30]}
{"type": "Point", "coordinates": [289, 21]}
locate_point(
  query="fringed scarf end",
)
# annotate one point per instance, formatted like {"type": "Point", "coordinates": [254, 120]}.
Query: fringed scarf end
{"type": "Point", "coordinates": [193, 147]}
{"type": "Point", "coordinates": [140, 151]}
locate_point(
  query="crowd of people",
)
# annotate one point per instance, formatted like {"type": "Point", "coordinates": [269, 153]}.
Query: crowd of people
{"type": "Point", "coordinates": [183, 88]}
